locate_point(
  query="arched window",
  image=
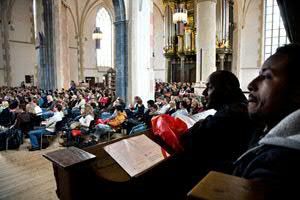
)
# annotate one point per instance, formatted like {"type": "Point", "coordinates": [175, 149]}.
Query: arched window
{"type": "Point", "coordinates": [104, 50]}
{"type": "Point", "coordinates": [275, 34]}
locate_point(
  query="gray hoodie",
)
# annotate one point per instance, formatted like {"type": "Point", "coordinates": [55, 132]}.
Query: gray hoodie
{"type": "Point", "coordinates": [285, 134]}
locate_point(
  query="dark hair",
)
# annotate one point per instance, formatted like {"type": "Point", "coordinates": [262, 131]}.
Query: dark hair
{"type": "Point", "coordinates": [183, 104]}
{"type": "Point", "coordinates": [229, 85]}
{"type": "Point", "coordinates": [154, 106]}
{"type": "Point", "coordinates": [59, 107]}
{"type": "Point", "coordinates": [119, 108]}
{"type": "Point", "coordinates": [13, 105]}
{"type": "Point", "coordinates": [150, 102]}
{"type": "Point", "coordinates": [292, 51]}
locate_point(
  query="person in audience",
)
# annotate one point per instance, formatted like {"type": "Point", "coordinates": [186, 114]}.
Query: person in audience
{"type": "Point", "coordinates": [76, 110]}
{"type": "Point", "coordinates": [137, 110]}
{"type": "Point", "coordinates": [147, 111]}
{"type": "Point", "coordinates": [188, 101]}
{"type": "Point", "coordinates": [182, 109]}
{"type": "Point", "coordinates": [111, 124]}
{"type": "Point", "coordinates": [37, 109]}
{"type": "Point", "coordinates": [8, 115]}
{"type": "Point", "coordinates": [165, 105]}
{"type": "Point", "coordinates": [172, 108]}
{"type": "Point", "coordinates": [274, 99]}
{"type": "Point", "coordinates": [72, 86]}
{"type": "Point", "coordinates": [196, 107]}
{"type": "Point", "coordinates": [4, 105]}
{"type": "Point", "coordinates": [49, 128]}
{"type": "Point", "coordinates": [26, 120]}
{"type": "Point", "coordinates": [86, 117]}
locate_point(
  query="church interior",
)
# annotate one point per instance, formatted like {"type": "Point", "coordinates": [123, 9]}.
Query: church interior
{"type": "Point", "coordinates": [124, 51]}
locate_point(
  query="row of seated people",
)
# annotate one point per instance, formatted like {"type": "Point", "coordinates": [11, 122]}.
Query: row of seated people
{"type": "Point", "coordinates": [33, 115]}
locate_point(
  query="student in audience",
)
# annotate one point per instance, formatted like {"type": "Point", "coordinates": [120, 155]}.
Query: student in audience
{"type": "Point", "coordinates": [86, 117]}
{"type": "Point", "coordinates": [8, 115]}
{"type": "Point", "coordinates": [49, 128]}
{"type": "Point", "coordinates": [165, 105]}
{"type": "Point", "coordinates": [172, 108]}
{"type": "Point", "coordinates": [37, 109]}
{"type": "Point", "coordinates": [196, 107]}
{"type": "Point", "coordinates": [182, 109]}
{"type": "Point", "coordinates": [26, 120]}
{"type": "Point", "coordinates": [274, 99]}
{"type": "Point", "coordinates": [111, 124]}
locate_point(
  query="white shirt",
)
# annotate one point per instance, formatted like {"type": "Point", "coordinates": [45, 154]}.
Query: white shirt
{"type": "Point", "coordinates": [164, 109]}
{"type": "Point", "coordinates": [37, 110]}
{"type": "Point", "coordinates": [85, 121]}
{"type": "Point", "coordinates": [51, 122]}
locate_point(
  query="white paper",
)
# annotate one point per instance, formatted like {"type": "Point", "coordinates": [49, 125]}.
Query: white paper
{"type": "Point", "coordinates": [136, 154]}
{"type": "Point", "coordinates": [203, 115]}
{"type": "Point", "coordinates": [191, 120]}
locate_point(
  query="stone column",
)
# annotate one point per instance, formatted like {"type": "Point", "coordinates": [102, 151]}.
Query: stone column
{"type": "Point", "coordinates": [121, 58]}
{"type": "Point", "coordinates": [182, 69]}
{"type": "Point", "coordinates": [205, 42]}
{"type": "Point", "coordinates": [4, 31]}
{"type": "Point", "coordinates": [221, 57]}
{"type": "Point", "coordinates": [61, 47]}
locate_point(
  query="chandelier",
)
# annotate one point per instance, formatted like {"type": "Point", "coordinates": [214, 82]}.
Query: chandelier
{"type": "Point", "coordinates": [97, 34]}
{"type": "Point", "coordinates": [180, 15]}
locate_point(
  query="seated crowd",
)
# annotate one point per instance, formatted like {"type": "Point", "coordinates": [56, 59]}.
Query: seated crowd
{"type": "Point", "coordinates": [92, 111]}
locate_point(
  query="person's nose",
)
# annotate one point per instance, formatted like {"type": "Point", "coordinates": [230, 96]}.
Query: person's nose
{"type": "Point", "coordinates": [204, 93]}
{"type": "Point", "coordinates": [252, 86]}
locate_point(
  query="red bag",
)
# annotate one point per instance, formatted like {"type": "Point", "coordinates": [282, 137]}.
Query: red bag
{"type": "Point", "coordinates": [102, 121]}
{"type": "Point", "coordinates": [75, 132]}
{"type": "Point", "coordinates": [170, 129]}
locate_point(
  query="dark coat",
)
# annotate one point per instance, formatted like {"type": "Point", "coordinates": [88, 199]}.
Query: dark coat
{"type": "Point", "coordinates": [212, 144]}
{"type": "Point", "coordinates": [7, 118]}
{"type": "Point", "coordinates": [277, 167]}
{"type": "Point", "coordinates": [217, 141]}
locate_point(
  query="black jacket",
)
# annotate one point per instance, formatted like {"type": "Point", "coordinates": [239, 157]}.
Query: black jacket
{"type": "Point", "coordinates": [276, 161]}
{"type": "Point", "coordinates": [217, 141]}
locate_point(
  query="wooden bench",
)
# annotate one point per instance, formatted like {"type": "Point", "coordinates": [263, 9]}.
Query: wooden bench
{"type": "Point", "coordinates": [219, 186]}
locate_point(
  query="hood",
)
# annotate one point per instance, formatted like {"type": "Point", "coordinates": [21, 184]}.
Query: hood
{"type": "Point", "coordinates": [286, 133]}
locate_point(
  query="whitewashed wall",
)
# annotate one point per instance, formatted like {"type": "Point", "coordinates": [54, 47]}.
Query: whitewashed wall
{"type": "Point", "coordinates": [248, 39]}
{"type": "Point", "coordinates": [22, 48]}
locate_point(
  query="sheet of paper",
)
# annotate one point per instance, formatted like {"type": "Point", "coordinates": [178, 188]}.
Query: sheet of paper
{"type": "Point", "coordinates": [191, 120]}
{"type": "Point", "coordinates": [136, 154]}
{"type": "Point", "coordinates": [187, 120]}
{"type": "Point", "coordinates": [203, 115]}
